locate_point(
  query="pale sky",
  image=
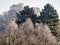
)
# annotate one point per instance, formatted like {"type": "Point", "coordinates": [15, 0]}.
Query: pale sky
{"type": "Point", "coordinates": [5, 4]}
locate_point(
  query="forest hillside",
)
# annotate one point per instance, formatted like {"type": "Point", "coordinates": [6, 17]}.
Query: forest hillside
{"type": "Point", "coordinates": [22, 25]}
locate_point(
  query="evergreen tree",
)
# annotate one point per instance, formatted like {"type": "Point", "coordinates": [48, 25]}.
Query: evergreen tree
{"type": "Point", "coordinates": [49, 15]}
{"type": "Point", "coordinates": [27, 13]}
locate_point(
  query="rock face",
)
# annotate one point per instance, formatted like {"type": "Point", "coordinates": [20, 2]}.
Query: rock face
{"type": "Point", "coordinates": [26, 34]}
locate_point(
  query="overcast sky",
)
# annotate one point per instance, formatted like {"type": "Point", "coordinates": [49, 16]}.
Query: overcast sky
{"type": "Point", "coordinates": [5, 4]}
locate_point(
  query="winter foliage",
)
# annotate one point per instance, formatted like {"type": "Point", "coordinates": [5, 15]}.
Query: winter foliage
{"type": "Point", "coordinates": [21, 26]}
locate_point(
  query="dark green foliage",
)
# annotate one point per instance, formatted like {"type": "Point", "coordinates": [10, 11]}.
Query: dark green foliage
{"type": "Point", "coordinates": [20, 19]}
{"type": "Point", "coordinates": [27, 13]}
{"type": "Point", "coordinates": [49, 15]}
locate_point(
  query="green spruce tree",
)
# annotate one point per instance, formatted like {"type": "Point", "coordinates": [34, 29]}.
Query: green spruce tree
{"type": "Point", "coordinates": [27, 12]}
{"type": "Point", "coordinates": [49, 15]}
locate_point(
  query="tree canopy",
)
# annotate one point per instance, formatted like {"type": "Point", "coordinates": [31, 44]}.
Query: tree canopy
{"type": "Point", "coordinates": [27, 12]}
{"type": "Point", "coordinates": [49, 15]}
